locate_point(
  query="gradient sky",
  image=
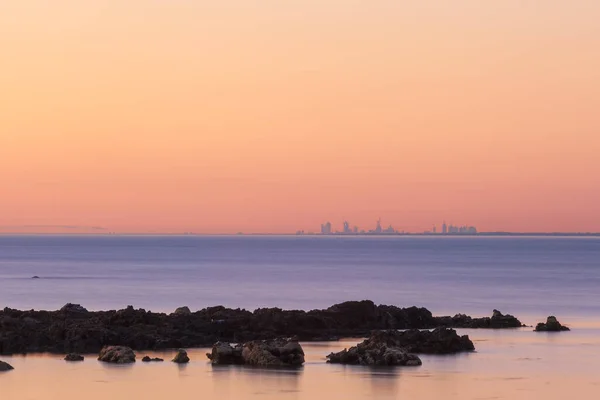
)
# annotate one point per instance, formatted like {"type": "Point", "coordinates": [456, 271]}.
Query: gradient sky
{"type": "Point", "coordinates": [272, 116]}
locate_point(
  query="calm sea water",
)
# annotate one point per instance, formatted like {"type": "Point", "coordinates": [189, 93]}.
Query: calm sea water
{"type": "Point", "coordinates": [526, 276]}
{"type": "Point", "coordinates": [529, 277]}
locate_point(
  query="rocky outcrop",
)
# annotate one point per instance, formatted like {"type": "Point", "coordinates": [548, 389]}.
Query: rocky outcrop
{"type": "Point", "coordinates": [496, 321]}
{"type": "Point", "coordinates": [73, 329]}
{"type": "Point", "coordinates": [393, 347]}
{"type": "Point", "coordinates": [380, 349]}
{"type": "Point", "coordinates": [551, 325]}
{"type": "Point", "coordinates": [150, 359]}
{"type": "Point", "coordinates": [224, 353]}
{"type": "Point", "coordinates": [181, 357]}
{"type": "Point", "coordinates": [5, 366]}
{"type": "Point", "coordinates": [263, 353]}
{"type": "Point", "coordinates": [74, 357]}
{"type": "Point", "coordinates": [73, 308]}
{"type": "Point", "coordinates": [437, 341]}
{"type": "Point", "coordinates": [117, 355]}
{"type": "Point", "coordinates": [182, 311]}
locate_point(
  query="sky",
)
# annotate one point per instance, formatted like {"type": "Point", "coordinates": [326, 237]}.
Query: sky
{"type": "Point", "coordinates": [276, 116]}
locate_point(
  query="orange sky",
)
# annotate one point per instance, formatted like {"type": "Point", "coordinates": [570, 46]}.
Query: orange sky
{"type": "Point", "coordinates": [273, 116]}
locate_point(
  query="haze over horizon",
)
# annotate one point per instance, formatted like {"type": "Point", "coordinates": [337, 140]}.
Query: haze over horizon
{"type": "Point", "coordinates": [218, 117]}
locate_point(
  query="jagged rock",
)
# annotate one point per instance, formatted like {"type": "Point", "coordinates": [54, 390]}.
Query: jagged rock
{"type": "Point", "coordinates": [393, 347]}
{"type": "Point", "coordinates": [73, 329]}
{"type": "Point", "coordinates": [551, 325]}
{"type": "Point", "coordinates": [378, 350]}
{"type": "Point", "coordinates": [225, 354]}
{"type": "Point", "coordinates": [264, 353]}
{"type": "Point", "coordinates": [73, 308]}
{"type": "Point", "coordinates": [5, 366]}
{"type": "Point", "coordinates": [497, 321]}
{"type": "Point", "coordinates": [437, 341]}
{"type": "Point", "coordinates": [273, 353]}
{"type": "Point", "coordinates": [149, 359]}
{"type": "Point", "coordinates": [74, 357]}
{"type": "Point", "coordinates": [182, 311]}
{"type": "Point", "coordinates": [181, 357]}
{"type": "Point", "coordinates": [117, 355]}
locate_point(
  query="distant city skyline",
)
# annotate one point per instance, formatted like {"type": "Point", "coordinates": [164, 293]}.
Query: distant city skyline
{"type": "Point", "coordinates": [327, 228]}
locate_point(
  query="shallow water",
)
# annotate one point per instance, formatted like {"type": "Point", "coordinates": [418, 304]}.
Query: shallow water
{"type": "Point", "coordinates": [509, 364]}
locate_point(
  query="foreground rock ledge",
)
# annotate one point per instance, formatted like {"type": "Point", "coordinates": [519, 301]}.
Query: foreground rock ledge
{"type": "Point", "coordinates": [5, 366]}
{"type": "Point", "coordinates": [74, 329]}
{"type": "Point", "coordinates": [117, 355]}
{"type": "Point", "coordinates": [394, 347]}
{"type": "Point", "coordinates": [551, 325]}
{"type": "Point", "coordinates": [263, 353]}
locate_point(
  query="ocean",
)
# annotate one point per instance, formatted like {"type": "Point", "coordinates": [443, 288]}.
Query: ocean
{"type": "Point", "coordinates": [529, 277]}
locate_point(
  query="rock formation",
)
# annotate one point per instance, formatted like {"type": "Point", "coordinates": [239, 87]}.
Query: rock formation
{"type": "Point", "coordinates": [73, 329]}
{"type": "Point", "coordinates": [497, 321]}
{"type": "Point", "coordinates": [182, 311]}
{"type": "Point", "coordinates": [181, 357]}
{"type": "Point", "coordinates": [150, 359]}
{"type": "Point", "coordinates": [551, 325]}
{"type": "Point", "coordinates": [5, 366]}
{"type": "Point", "coordinates": [74, 357]}
{"type": "Point", "coordinates": [263, 353]}
{"type": "Point", "coordinates": [117, 355]}
{"type": "Point", "coordinates": [380, 349]}
{"type": "Point", "coordinates": [393, 347]}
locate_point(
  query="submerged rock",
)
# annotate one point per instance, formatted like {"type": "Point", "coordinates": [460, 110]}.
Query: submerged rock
{"type": "Point", "coordinates": [5, 366]}
{"type": "Point", "coordinates": [263, 353]}
{"type": "Point", "coordinates": [149, 359]}
{"type": "Point", "coordinates": [181, 357]}
{"type": "Point", "coordinates": [74, 357]}
{"type": "Point", "coordinates": [117, 355]}
{"type": "Point", "coordinates": [551, 325]}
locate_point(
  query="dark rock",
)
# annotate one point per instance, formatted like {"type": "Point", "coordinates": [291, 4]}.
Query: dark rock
{"type": "Point", "coordinates": [35, 277]}
{"type": "Point", "coordinates": [181, 357]}
{"type": "Point", "coordinates": [73, 329]}
{"type": "Point", "coordinates": [74, 357]}
{"type": "Point", "coordinates": [225, 354]}
{"type": "Point", "coordinates": [381, 349]}
{"type": "Point", "coordinates": [182, 311]}
{"type": "Point", "coordinates": [437, 341]}
{"type": "Point", "coordinates": [73, 308]}
{"type": "Point", "coordinates": [497, 321]}
{"type": "Point", "coordinates": [392, 347]}
{"type": "Point", "coordinates": [5, 366]}
{"type": "Point", "coordinates": [551, 325]}
{"type": "Point", "coordinates": [263, 353]}
{"type": "Point", "coordinates": [149, 359]}
{"type": "Point", "coordinates": [117, 355]}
